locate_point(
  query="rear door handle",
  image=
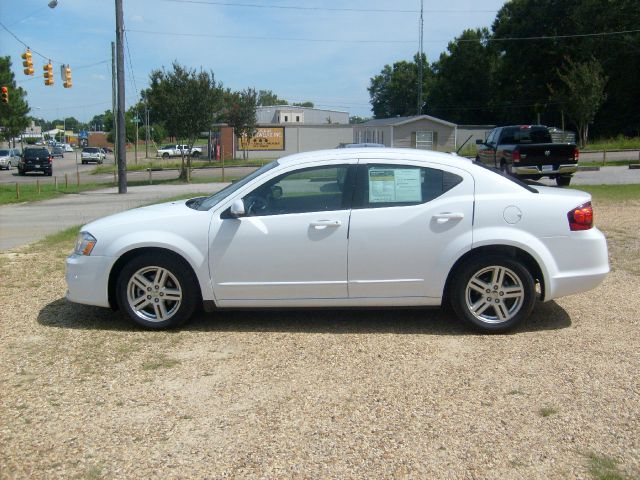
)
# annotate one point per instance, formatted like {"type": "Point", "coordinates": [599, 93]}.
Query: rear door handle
{"type": "Point", "coordinates": [322, 224]}
{"type": "Point", "coordinates": [444, 217]}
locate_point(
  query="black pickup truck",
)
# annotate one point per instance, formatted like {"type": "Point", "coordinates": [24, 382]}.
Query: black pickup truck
{"type": "Point", "coordinates": [527, 151]}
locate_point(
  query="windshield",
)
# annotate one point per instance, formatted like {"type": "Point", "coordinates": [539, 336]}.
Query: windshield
{"type": "Point", "coordinates": [4, 152]}
{"type": "Point", "coordinates": [206, 203]}
{"type": "Point", "coordinates": [90, 150]}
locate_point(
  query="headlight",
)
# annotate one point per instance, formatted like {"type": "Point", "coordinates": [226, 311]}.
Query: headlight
{"type": "Point", "coordinates": [84, 243]}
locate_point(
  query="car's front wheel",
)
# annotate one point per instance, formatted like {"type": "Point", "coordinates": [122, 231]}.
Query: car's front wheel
{"type": "Point", "coordinates": [157, 291]}
{"type": "Point", "coordinates": [493, 293]}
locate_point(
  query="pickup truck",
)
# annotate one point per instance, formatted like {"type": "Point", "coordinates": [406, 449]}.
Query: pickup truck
{"type": "Point", "coordinates": [176, 151]}
{"type": "Point", "coordinates": [527, 151]}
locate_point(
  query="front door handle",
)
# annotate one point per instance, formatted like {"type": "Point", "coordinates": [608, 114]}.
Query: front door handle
{"type": "Point", "coordinates": [444, 217]}
{"type": "Point", "coordinates": [322, 224]}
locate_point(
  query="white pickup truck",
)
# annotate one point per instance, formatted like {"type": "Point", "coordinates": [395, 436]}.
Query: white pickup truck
{"type": "Point", "coordinates": [177, 150]}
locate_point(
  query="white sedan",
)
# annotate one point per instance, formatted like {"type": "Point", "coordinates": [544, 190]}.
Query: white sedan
{"type": "Point", "coordinates": [347, 228]}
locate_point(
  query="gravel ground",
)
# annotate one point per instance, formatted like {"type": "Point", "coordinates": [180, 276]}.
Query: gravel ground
{"type": "Point", "coordinates": [375, 394]}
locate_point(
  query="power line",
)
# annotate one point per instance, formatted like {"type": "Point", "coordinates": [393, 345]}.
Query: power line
{"type": "Point", "coordinates": [131, 77]}
{"type": "Point", "coordinates": [27, 46]}
{"type": "Point", "coordinates": [329, 40]}
{"type": "Point", "coordinates": [326, 9]}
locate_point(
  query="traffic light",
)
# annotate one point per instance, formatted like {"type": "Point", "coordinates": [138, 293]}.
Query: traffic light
{"type": "Point", "coordinates": [5, 95]}
{"type": "Point", "coordinates": [67, 77]}
{"type": "Point", "coordinates": [28, 62]}
{"type": "Point", "coordinates": [48, 74]}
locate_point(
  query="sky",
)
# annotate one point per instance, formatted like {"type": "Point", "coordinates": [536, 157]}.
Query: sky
{"type": "Point", "coordinates": [323, 51]}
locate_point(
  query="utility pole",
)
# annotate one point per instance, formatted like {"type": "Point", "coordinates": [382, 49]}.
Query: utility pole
{"type": "Point", "coordinates": [113, 101]}
{"type": "Point", "coordinates": [146, 130]}
{"type": "Point", "coordinates": [122, 153]}
{"type": "Point", "coordinates": [420, 35]}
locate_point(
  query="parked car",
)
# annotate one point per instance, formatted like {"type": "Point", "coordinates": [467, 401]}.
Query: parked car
{"type": "Point", "coordinates": [92, 154]}
{"type": "Point", "coordinates": [177, 151]}
{"type": "Point", "coordinates": [9, 158]}
{"type": "Point", "coordinates": [68, 148]}
{"type": "Point", "coordinates": [57, 152]}
{"type": "Point", "coordinates": [528, 151]}
{"type": "Point", "coordinates": [347, 228]}
{"type": "Point", "coordinates": [36, 159]}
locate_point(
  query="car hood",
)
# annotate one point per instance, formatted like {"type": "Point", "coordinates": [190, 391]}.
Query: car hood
{"type": "Point", "coordinates": [159, 215]}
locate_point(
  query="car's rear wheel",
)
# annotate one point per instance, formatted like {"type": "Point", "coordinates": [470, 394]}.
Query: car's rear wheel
{"type": "Point", "coordinates": [493, 293]}
{"type": "Point", "coordinates": [165, 156]}
{"type": "Point", "coordinates": [195, 154]}
{"type": "Point", "coordinates": [157, 292]}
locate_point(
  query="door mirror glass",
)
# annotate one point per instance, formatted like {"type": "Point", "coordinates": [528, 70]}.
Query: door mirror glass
{"type": "Point", "coordinates": [237, 208]}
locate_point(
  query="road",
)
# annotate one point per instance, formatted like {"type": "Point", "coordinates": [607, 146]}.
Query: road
{"type": "Point", "coordinates": [28, 222]}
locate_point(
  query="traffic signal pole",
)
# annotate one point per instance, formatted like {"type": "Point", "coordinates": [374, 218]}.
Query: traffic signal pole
{"type": "Point", "coordinates": [122, 154]}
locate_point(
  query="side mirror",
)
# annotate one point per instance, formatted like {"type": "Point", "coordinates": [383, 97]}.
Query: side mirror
{"type": "Point", "coordinates": [237, 208]}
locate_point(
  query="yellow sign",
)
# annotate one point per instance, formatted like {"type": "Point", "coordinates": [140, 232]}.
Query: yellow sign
{"type": "Point", "coordinates": [271, 138]}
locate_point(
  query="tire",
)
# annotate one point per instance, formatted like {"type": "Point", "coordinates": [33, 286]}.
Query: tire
{"type": "Point", "coordinates": [84, 162]}
{"type": "Point", "coordinates": [172, 291]}
{"type": "Point", "coordinates": [506, 168]}
{"type": "Point", "coordinates": [165, 156]}
{"type": "Point", "coordinates": [563, 181]}
{"type": "Point", "coordinates": [501, 289]}
{"type": "Point", "coordinates": [20, 171]}
{"type": "Point", "coordinates": [49, 173]}
{"type": "Point", "coordinates": [195, 154]}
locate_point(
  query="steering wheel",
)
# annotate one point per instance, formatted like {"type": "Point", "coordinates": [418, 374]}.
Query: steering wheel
{"type": "Point", "coordinates": [256, 205]}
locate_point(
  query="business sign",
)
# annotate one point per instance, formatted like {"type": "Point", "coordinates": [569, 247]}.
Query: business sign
{"type": "Point", "coordinates": [265, 138]}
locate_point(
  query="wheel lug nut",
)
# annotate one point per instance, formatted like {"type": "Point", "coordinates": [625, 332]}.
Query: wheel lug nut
{"type": "Point", "coordinates": [157, 300]}
{"type": "Point", "coordinates": [148, 297]}
{"type": "Point", "coordinates": [148, 289]}
{"type": "Point", "coordinates": [161, 294]}
{"type": "Point", "coordinates": [157, 287]}
{"type": "Point", "coordinates": [501, 293]}
{"type": "Point", "coordinates": [488, 290]}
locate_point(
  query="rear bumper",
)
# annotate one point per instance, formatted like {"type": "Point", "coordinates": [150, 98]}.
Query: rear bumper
{"type": "Point", "coordinates": [562, 169]}
{"type": "Point", "coordinates": [581, 264]}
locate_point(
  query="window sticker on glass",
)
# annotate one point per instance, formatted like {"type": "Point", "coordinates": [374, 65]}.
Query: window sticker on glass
{"type": "Point", "coordinates": [394, 185]}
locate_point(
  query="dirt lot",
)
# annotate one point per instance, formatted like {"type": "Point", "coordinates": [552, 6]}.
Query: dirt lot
{"type": "Point", "coordinates": [405, 394]}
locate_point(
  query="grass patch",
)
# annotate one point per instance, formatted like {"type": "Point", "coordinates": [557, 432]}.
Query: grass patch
{"type": "Point", "coordinates": [618, 143]}
{"type": "Point", "coordinates": [172, 164]}
{"type": "Point", "coordinates": [612, 193]}
{"type": "Point", "coordinates": [604, 468]}
{"type": "Point", "coordinates": [60, 239]}
{"type": "Point", "coordinates": [548, 411]}
{"type": "Point", "coordinates": [29, 192]}
{"type": "Point", "coordinates": [160, 362]}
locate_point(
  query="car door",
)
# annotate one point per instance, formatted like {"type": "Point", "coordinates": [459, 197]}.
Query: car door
{"type": "Point", "coordinates": [409, 224]}
{"type": "Point", "coordinates": [291, 246]}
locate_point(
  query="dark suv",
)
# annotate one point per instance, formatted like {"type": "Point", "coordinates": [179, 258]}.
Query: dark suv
{"type": "Point", "coordinates": [37, 159]}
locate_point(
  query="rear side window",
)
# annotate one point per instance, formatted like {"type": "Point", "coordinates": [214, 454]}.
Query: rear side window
{"type": "Point", "coordinates": [398, 185]}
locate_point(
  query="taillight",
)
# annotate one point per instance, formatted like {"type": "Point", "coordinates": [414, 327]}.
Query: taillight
{"type": "Point", "coordinates": [581, 218]}
{"type": "Point", "coordinates": [50, 159]}
{"type": "Point", "coordinates": [576, 154]}
{"type": "Point", "coordinates": [515, 156]}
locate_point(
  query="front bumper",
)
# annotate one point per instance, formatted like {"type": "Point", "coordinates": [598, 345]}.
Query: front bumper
{"type": "Point", "coordinates": [562, 169]}
{"type": "Point", "coordinates": [87, 279]}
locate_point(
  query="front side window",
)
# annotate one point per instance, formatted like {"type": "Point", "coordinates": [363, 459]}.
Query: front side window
{"type": "Point", "coordinates": [315, 189]}
{"type": "Point", "coordinates": [398, 185]}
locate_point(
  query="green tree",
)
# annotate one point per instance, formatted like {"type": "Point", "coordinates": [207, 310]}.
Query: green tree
{"type": "Point", "coordinates": [394, 92]}
{"type": "Point", "coordinates": [186, 102]}
{"type": "Point", "coordinates": [358, 119]}
{"type": "Point", "coordinates": [267, 98]}
{"type": "Point", "coordinates": [306, 104]}
{"type": "Point", "coordinates": [13, 115]}
{"type": "Point", "coordinates": [463, 84]}
{"type": "Point", "coordinates": [241, 115]}
{"type": "Point", "coordinates": [581, 93]}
